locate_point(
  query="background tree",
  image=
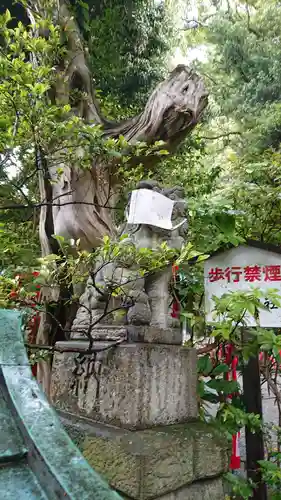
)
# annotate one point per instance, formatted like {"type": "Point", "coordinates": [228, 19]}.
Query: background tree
{"type": "Point", "coordinates": [128, 44]}
{"type": "Point", "coordinates": [238, 52]}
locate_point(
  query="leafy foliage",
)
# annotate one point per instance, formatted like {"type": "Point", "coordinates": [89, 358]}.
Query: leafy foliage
{"type": "Point", "coordinates": [233, 178]}
{"type": "Point", "coordinates": [18, 245]}
{"type": "Point", "coordinates": [32, 126]}
{"type": "Point", "coordinates": [128, 42]}
{"type": "Point", "coordinates": [232, 309]}
{"type": "Point", "coordinates": [240, 487]}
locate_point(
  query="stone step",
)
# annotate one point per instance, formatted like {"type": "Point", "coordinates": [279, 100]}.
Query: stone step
{"type": "Point", "coordinates": [18, 481]}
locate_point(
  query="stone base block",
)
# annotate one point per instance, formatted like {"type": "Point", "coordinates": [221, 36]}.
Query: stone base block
{"type": "Point", "coordinates": [154, 335]}
{"type": "Point", "coordinates": [131, 385]}
{"type": "Point", "coordinates": [169, 463]}
{"type": "Point", "coordinates": [132, 333]}
{"type": "Point", "coordinates": [102, 332]}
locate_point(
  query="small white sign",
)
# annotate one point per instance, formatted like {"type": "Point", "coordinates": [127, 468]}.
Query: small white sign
{"type": "Point", "coordinates": [242, 268]}
{"type": "Point", "coordinates": [150, 207]}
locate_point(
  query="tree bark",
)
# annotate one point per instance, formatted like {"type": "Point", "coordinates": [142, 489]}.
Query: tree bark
{"type": "Point", "coordinates": [171, 112]}
{"type": "Point", "coordinates": [85, 197]}
{"type": "Point", "coordinates": [81, 199]}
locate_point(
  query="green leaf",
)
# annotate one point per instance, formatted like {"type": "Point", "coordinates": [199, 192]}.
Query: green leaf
{"type": "Point", "coordinates": [204, 365]}
{"type": "Point", "coordinates": [163, 152]}
{"type": "Point", "coordinates": [222, 368]}
{"type": "Point", "coordinates": [210, 397]}
{"type": "Point", "coordinates": [49, 258]}
{"type": "Point", "coordinates": [226, 223]}
{"type": "Point", "coordinates": [59, 238]}
{"type": "Point", "coordinates": [188, 315]}
{"type": "Point", "coordinates": [7, 16]}
{"type": "Point", "coordinates": [224, 386]}
{"type": "Point", "coordinates": [200, 388]}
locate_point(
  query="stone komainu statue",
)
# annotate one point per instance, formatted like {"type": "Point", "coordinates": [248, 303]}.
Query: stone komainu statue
{"type": "Point", "coordinates": [146, 300]}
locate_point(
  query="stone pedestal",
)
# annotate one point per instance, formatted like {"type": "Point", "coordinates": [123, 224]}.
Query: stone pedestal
{"type": "Point", "coordinates": [132, 410]}
{"type": "Point", "coordinates": [133, 385]}
{"type": "Point", "coordinates": [176, 462]}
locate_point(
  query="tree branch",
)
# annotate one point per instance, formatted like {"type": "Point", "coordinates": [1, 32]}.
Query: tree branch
{"type": "Point", "coordinates": [171, 112]}
{"type": "Point", "coordinates": [18, 206]}
{"type": "Point", "coordinates": [250, 28]}
{"type": "Point", "coordinates": [207, 348]}
{"type": "Point", "coordinates": [220, 136]}
{"type": "Point", "coordinates": [195, 23]}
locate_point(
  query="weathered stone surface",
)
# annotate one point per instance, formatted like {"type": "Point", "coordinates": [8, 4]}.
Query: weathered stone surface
{"type": "Point", "coordinates": [94, 301]}
{"type": "Point", "coordinates": [102, 332]}
{"type": "Point", "coordinates": [131, 385]}
{"type": "Point", "coordinates": [153, 463]}
{"type": "Point", "coordinates": [145, 299]}
{"type": "Point", "coordinates": [205, 457]}
{"type": "Point", "coordinates": [157, 286]}
{"type": "Point", "coordinates": [203, 490]}
{"type": "Point", "coordinates": [82, 346]}
{"type": "Point", "coordinates": [154, 335]}
{"type": "Point", "coordinates": [132, 333]}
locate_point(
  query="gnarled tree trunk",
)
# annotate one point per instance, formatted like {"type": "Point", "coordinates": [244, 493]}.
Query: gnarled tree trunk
{"type": "Point", "coordinates": [81, 198]}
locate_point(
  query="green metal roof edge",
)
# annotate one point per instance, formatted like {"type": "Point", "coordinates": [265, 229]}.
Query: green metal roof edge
{"type": "Point", "coordinates": [37, 419]}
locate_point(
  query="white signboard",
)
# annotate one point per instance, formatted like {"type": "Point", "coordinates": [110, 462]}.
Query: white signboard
{"type": "Point", "coordinates": [240, 269]}
{"type": "Point", "coordinates": [150, 207]}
